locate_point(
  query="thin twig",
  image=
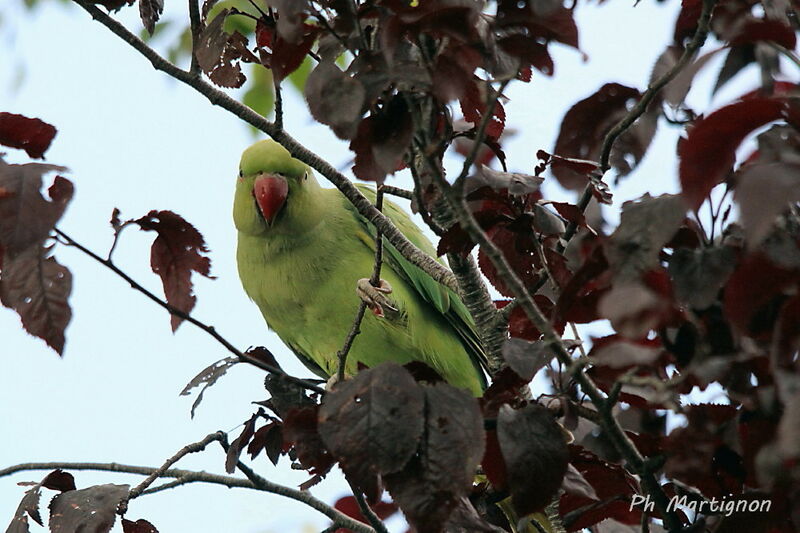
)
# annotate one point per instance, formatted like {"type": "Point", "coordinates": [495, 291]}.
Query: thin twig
{"type": "Point", "coordinates": [278, 103]}
{"type": "Point", "coordinates": [396, 191]}
{"type": "Point", "coordinates": [367, 511]}
{"type": "Point", "coordinates": [421, 207]}
{"type": "Point", "coordinates": [185, 316]}
{"type": "Point", "coordinates": [621, 441]}
{"type": "Point", "coordinates": [192, 476]}
{"type": "Point", "coordinates": [219, 98]}
{"type": "Point", "coordinates": [186, 450]}
{"type": "Point", "coordinates": [339, 518]}
{"type": "Point", "coordinates": [353, 7]}
{"type": "Point", "coordinates": [374, 280]}
{"type": "Point", "coordinates": [654, 88]}
{"type": "Point", "coordinates": [789, 54]}
{"type": "Point", "coordinates": [194, 18]}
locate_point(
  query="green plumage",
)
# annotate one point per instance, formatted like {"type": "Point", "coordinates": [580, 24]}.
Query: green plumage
{"type": "Point", "coordinates": [302, 271]}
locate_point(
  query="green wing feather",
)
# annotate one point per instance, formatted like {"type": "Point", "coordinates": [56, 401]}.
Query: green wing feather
{"type": "Point", "coordinates": [443, 299]}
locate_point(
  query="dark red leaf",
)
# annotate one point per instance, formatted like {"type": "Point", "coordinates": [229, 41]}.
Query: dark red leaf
{"type": "Point", "coordinates": [59, 480]}
{"type": "Point", "coordinates": [473, 106]}
{"type": "Point", "coordinates": [757, 30]}
{"type": "Point", "coordinates": [207, 378]}
{"type": "Point", "coordinates": [764, 191]}
{"type": "Point", "coordinates": [520, 326]}
{"type": "Point", "coordinates": [546, 20]}
{"type": "Point", "coordinates": [635, 308]}
{"type": "Point", "coordinates": [535, 453]}
{"type": "Point", "coordinates": [516, 183]}
{"type": "Point", "coordinates": [618, 352]}
{"type": "Point", "coordinates": [150, 11]}
{"type": "Point", "coordinates": [335, 99]}
{"type": "Point", "coordinates": [518, 249]}
{"type": "Point", "coordinates": [30, 134]}
{"type": "Point", "coordinates": [755, 285]}
{"type": "Point", "coordinates": [176, 253]}
{"type": "Point", "coordinates": [699, 274]}
{"type": "Point", "coordinates": [492, 463]}
{"type": "Point", "coordinates": [585, 125]}
{"type": "Point", "coordinates": [218, 53]}
{"type": "Point", "coordinates": [239, 444]}
{"type": "Point", "coordinates": [38, 289]}
{"type": "Point", "coordinates": [695, 453]}
{"type": "Point", "coordinates": [92, 509]}
{"type": "Point", "coordinates": [526, 358]}
{"type": "Point", "coordinates": [26, 217]}
{"type": "Point", "coordinates": [687, 20]}
{"type": "Point", "coordinates": [264, 355]}
{"type": "Point", "coordinates": [288, 56]}
{"type": "Point", "coordinates": [300, 431]}
{"type": "Point", "coordinates": [140, 526]}
{"type": "Point", "coordinates": [28, 506]}
{"type": "Point", "coordinates": [646, 225]}
{"type": "Point", "coordinates": [432, 484]}
{"type": "Point", "coordinates": [721, 133]}
{"type": "Point", "coordinates": [373, 422]}
{"type": "Point", "coordinates": [381, 141]}
{"type": "Point", "coordinates": [571, 213]}
{"type": "Point", "coordinates": [423, 373]}
{"type": "Point", "coordinates": [611, 483]}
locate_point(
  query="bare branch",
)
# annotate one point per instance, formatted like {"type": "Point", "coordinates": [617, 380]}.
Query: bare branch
{"type": "Point", "coordinates": [339, 518]}
{"type": "Point", "coordinates": [278, 104]}
{"type": "Point", "coordinates": [194, 21]}
{"type": "Point", "coordinates": [177, 312]}
{"type": "Point", "coordinates": [192, 476]}
{"type": "Point", "coordinates": [396, 191]}
{"type": "Point", "coordinates": [367, 511]}
{"type": "Point", "coordinates": [186, 450]}
{"type": "Point", "coordinates": [219, 98]}
{"type": "Point", "coordinates": [639, 109]}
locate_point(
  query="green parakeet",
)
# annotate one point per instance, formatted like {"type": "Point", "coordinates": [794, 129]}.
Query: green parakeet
{"type": "Point", "coordinates": [304, 254]}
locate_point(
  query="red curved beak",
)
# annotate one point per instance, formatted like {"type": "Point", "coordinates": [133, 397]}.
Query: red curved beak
{"type": "Point", "coordinates": [270, 192]}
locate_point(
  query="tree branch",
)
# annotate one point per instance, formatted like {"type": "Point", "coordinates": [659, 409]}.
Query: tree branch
{"type": "Point", "coordinates": [339, 518]}
{"type": "Point", "coordinates": [609, 423]}
{"type": "Point", "coordinates": [698, 39]}
{"type": "Point", "coordinates": [194, 25]}
{"type": "Point", "coordinates": [187, 317]}
{"type": "Point", "coordinates": [186, 450]}
{"type": "Point", "coordinates": [192, 476]}
{"type": "Point", "coordinates": [367, 511]}
{"type": "Point", "coordinates": [219, 98]}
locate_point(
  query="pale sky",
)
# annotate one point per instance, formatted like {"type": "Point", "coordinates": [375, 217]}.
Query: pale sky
{"type": "Point", "coordinates": [137, 140]}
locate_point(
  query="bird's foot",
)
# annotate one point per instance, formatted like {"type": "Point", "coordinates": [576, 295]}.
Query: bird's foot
{"type": "Point", "coordinates": [376, 297]}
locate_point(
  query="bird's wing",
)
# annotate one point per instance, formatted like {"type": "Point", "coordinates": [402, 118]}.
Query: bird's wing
{"type": "Point", "coordinates": [443, 299]}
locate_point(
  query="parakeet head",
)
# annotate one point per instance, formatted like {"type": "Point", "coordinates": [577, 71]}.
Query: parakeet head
{"type": "Point", "coordinates": [271, 185]}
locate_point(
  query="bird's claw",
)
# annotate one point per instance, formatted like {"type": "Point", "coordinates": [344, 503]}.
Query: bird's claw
{"type": "Point", "coordinates": [375, 297]}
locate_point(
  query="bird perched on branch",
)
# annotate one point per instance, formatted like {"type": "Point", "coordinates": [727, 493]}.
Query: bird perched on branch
{"type": "Point", "coordinates": [305, 255]}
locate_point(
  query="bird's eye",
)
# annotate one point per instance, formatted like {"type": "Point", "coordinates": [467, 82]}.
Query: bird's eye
{"type": "Point", "coordinates": [241, 174]}
{"type": "Point", "coordinates": [305, 176]}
